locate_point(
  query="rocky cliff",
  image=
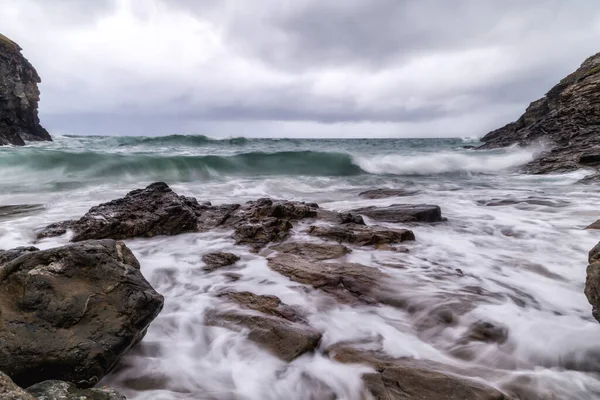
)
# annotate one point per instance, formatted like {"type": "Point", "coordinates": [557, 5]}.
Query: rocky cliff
{"type": "Point", "coordinates": [567, 118]}
{"type": "Point", "coordinates": [19, 96]}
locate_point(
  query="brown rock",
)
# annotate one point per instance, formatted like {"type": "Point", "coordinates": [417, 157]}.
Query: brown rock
{"type": "Point", "coordinates": [594, 225]}
{"type": "Point", "coordinates": [361, 235]}
{"type": "Point", "coordinates": [313, 251]}
{"type": "Point", "coordinates": [269, 305]}
{"type": "Point", "coordinates": [58, 390]}
{"type": "Point", "coordinates": [399, 213]}
{"type": "Point", "coordinates": [10, 391]}
{"type": "Point", "coordinates": [218, 260]}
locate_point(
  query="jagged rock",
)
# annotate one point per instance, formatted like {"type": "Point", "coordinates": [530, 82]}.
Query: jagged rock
{"type": "Point", "coordinates": [348, 282]}
{"type": "Point", "coordinates": [385, 193]}
{"type": "Point", "coordinates": [276, 327]}
{"type": "Point", "coordinates": [313, 251]}
{"type": "Point", "coordinates": [218, 260]}
{"type": "Point", "coordinates": [567, 117]}
{"type": "Point", "coordinates": [19, 97]}
{"type": "Point", "coordinates": [59, 390]}
{"type": "Point", "coordinates": [397, 213]}
{"type": "Point", "coordinates": [592, 281]}
{"type": "Point", "coordinates": [10, 391]}
{"type": "Point", "coordinates": [155, 210]}
{"type": "Point", "coordinates": [9, 255]}
{"type": "Point", "coordinates": [594, 225]}
{"type": "Point", "coordinates": [258, 235]}
{"type": "Point", "coordinates": [361, 235]}
{"type": "Point", "coordinates": [71, 312]}
{"type": "Point", "coordinates": [410, 379]}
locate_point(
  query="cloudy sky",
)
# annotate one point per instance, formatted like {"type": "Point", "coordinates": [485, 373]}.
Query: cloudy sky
{"type": "Point", "coordinates": [293, 68]}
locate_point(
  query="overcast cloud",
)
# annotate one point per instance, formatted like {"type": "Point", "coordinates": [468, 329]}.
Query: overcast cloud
{"type": "Point", "coordinates": [289, 68]}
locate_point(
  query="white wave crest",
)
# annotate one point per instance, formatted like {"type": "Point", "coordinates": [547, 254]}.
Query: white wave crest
{"type": "Point", "coordinates": [446, 162]}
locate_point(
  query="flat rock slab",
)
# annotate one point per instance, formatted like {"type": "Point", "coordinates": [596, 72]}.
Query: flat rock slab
{"type": "Point", "coordinates": [275, 326]}
{"type": "Point", "coordinates": [313, 251]}
{"type": "Point", "coordinates": [409, 379]}
{"type": "Point", "coordinates": [51, 390]}
{"type": "Point", "coordinates": [398, 213]}
{"type": "Point", "coordinates": [361, 235]}
{"type": "Point", "coordinates": [385, 193]}
{"type": "Point", "coordinates": [71, 312]}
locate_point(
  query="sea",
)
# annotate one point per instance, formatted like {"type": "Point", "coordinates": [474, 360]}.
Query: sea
{"type": "Point", "coordinates": [512, 253]}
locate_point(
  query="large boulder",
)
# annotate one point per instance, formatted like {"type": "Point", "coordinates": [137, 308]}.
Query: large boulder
{"type": "Point", "coordinates": [273, 325]}
{"type": "Point", "coordinates": [19, 97]}
{"type": "Point", "coordinates": [155, 210]}
{"type": "Point", "coordinates": [410, 379]}
{"type": "Point", "coordinates": [71, 312]}
{"type": "Point", "coordinates": [399, 213]}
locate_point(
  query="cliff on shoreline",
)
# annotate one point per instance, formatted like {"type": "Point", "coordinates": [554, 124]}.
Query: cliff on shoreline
{"type": "Point", "coordinates": [567, 118]}
{"type": "Point", "coordinates": [19, 97]}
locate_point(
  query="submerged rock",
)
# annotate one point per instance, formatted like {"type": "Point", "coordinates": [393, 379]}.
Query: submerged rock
{"type": "Point", "coordinates": [397, 213]}
{"type": "Point", "coordinates": [483, 331]}
{"type": "Point", "coordinates": [567, 117]}
{"type": "Point", "coordinates": [10, 391]}
{"type": "Point", "coordinates": [218, 260]}
{"type": "Point", "coordinates": [59, 390]}
{"type": "Point", "coordinates": [19, 97]}
{"type": "Point", "coordinates": [313, 251]}
{"type": "Point", "coordinates": [155, 210]}
{"type": "Point", "coordinates": [71, 312]}
{"type": "Point", "coordinates": [361, 235]}
{"type": "Point", "coordinates": [385, 193]}
{"type": "Point", "coordinates": [410, 379]}
{"type": "Point", "coordinates": [276, 326]}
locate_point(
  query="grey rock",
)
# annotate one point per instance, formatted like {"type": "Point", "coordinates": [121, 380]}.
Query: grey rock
{"type": "Point", "coordinates": [19, 97]}
{"type": "Point", "coordinates": [383, 193]}
{"type": "Point", "coordinates": [218, 260]}
{"type": "Point", "coordinates": [59, 390]}
{"type": "Point", "coordinates": [9, 255]}
{"type": "Point", "coordinates": [484, 331]}
{"type": "Point", "coordinates": [266, 304]}
{"type": "Point", "coordinates": [313, 251]}
{"type": "Point", "coordinates": [567, 117]}
{"type": "Point", "coordinates": [402, 213]}
{"type": "Point", "coordinates": [361, 235]}
{"type": "Point", "coordinates": [10, 391]}
{"type": "Point", "coordinates": [71, 312]}
{"type": "Point", "coordinates": [592, 281]}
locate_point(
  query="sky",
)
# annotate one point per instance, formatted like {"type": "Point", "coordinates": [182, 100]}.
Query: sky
{"type": "Point", "coordinates": [297, 68]}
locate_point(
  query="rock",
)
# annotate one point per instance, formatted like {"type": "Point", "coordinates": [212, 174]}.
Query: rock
{"type": "Point", "coordinates": [276, 327]}
{"type": "Point", "coordinates": [566, 117]}
{"type": "Point", "coordinates": [218, 260]}
{"type": "Point", "coordinates": [269, 305]}
{"type": "Point", "coordinates": [56, 229]}
{"type": "Point", "coordinates": [347, 282]}
{"type": "Point", "coordinates": [594, 254]}
{"type": "Point", "coordinates": [9, 255]}
{"type": "Point", "coordinates": [410, 379]}
{"type": "Point", "coordinates": [51, 390]}
{"type": "Point", "coordinates": [339, 218]}
{"type": "Point", "coordinates": [313, 251]}
{"type": "Point", "coordinates": [155, 210]}
{"type": "Point", "coordinates": [536, 201]}
{"type": "Point", "coordinates": [10, 391]}
{"type": "Point", "coordinates": [258, 235]}
{"type": "Point", "coordinates": [384, 193]}
{"type": "Point", "coordinates": [361, 235]}
{"type": "Point", "coordinates": [19, 210]}
{"type": "Point", "coordinates": [19, 97]}
{"type": "Point", "coordinates": [483, 331]}
{"type": "Point", "coordinates": [592, 281]}
{"type": "Point", "coordinates": [398, 213]}
{"type": "Point", "coordinates": [594, 225]}
{"type": "Point", "coordinates": [71, 312]}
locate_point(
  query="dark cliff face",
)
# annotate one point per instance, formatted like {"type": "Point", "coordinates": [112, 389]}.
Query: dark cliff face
{"type": "Point", "coordinates": [19, 96]}
{"type": "Point", "coordinates": [567, 117]}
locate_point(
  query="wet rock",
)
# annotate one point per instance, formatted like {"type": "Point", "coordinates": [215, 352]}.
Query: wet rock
{"type": "Point", "coordinates": [266, 304]}
{"type": "Point", "coordinates": [398, 213]}
{"type": "Point", "coordinates": [219, 259]}
{"type": "Point", "coordinates": [71, 312]}
{"type": "Point", "coordinates": [276, 326]}
{"type": "Point", "coordinates": [51, 390]}
{"type": "Point", "coordinates": [592, 281]}
{"type": "Point", "coordinates": [594, 225]}
{"type": "Point", "coordinates": [19, 97]}
{"type": "Point", "coordinates": [258, 235]}
{"type": "Point", "coordinates": [155, 210]}
{"type": "Point", "coordinates": [56, 229]}
{"type": "Point", "coordinates": [410, 379]}
{"type": "Point", "coordinates": [594, 254]}
{"type": "Point", "coordinates": [313, 251]}
{"type": "Point", "coordinates": [361, 235]}
{"type": "Point", "coordinates": [347, 282]}
{"type": "Point", "coordinates": [566, 117]}
{"type": "Point", "coordinates": [339, 218]}
{"type": "Point", "coordinates": [10, 391]}
{"type": "Point", "coordinates": [266, 209]}
{"type": "Point", "coordinates": [9, 255]}
{"type": "Point", "coordinates": [483, 331]}
{"type": "Point", "coordinates": [385, 193]}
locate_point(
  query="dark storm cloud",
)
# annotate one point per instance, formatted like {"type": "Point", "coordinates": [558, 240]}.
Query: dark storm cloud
{"type": "Point", "coordinates": [417, 64]}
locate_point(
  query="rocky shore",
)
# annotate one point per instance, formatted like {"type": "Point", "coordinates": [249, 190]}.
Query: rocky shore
{"type": "Point", "coordinates": [19, 97]}
{"type": "Point", "coordinates": [69, 313]}
{"type": "Point", "coordinates": [566, 120]}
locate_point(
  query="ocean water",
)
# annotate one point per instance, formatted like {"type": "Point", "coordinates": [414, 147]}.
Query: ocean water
{"type": "Point", "coordinates": [519, 265]}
